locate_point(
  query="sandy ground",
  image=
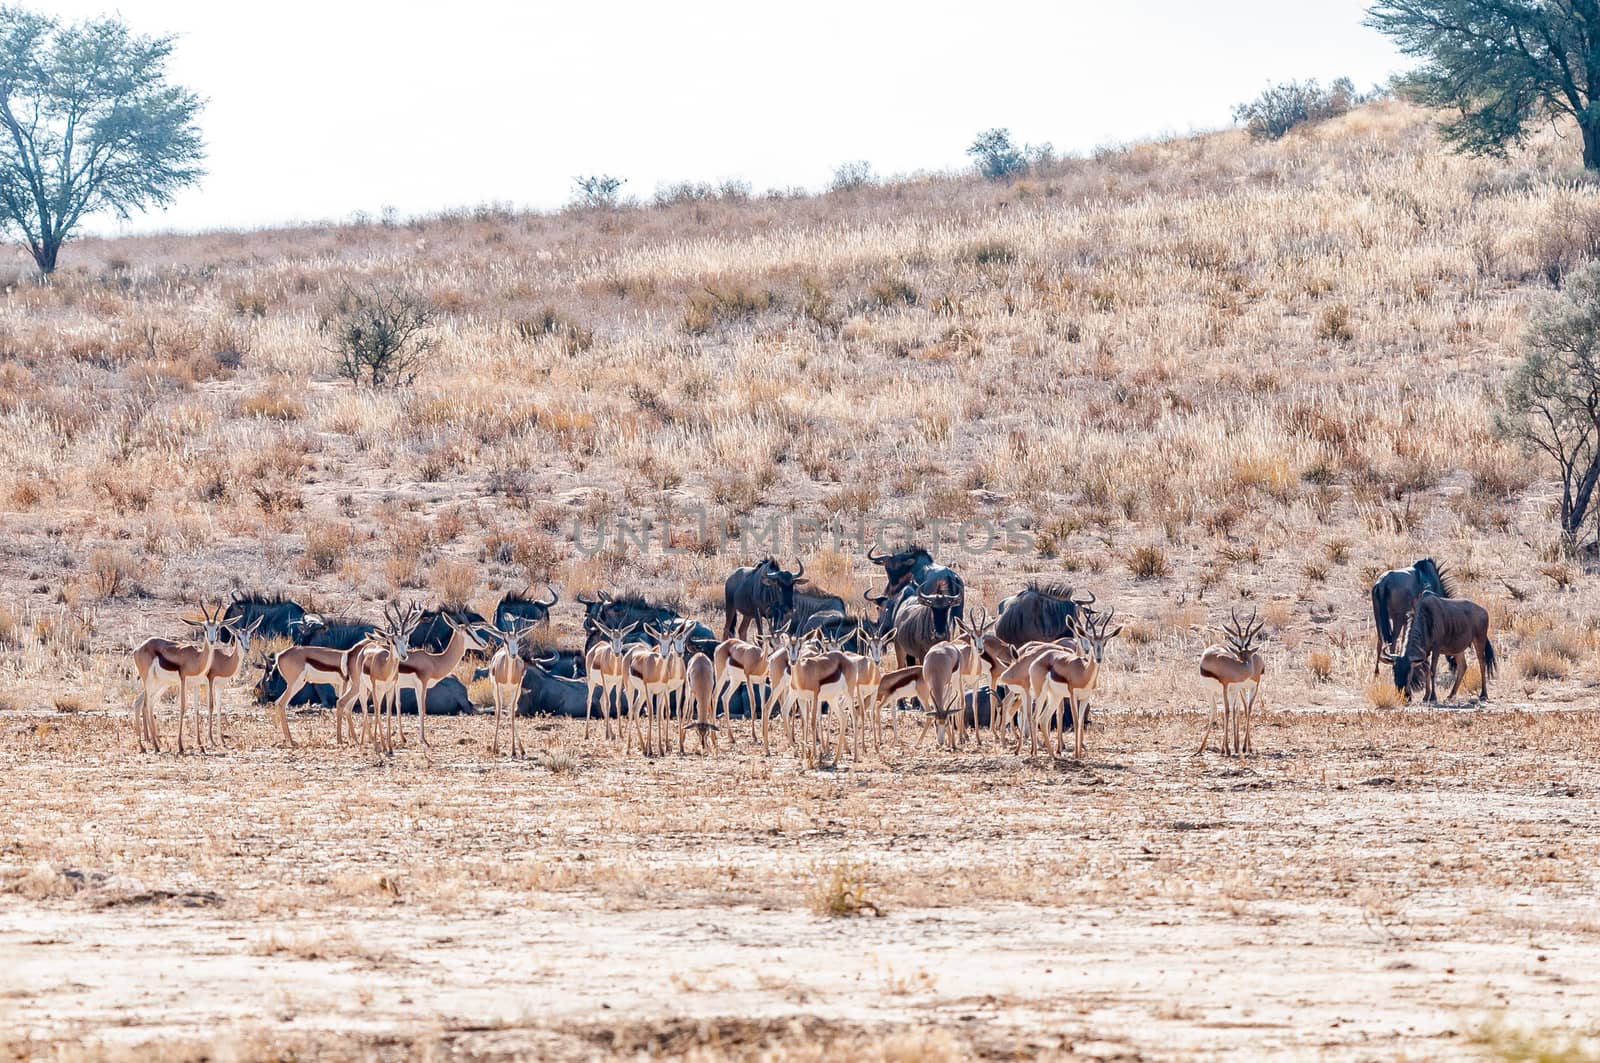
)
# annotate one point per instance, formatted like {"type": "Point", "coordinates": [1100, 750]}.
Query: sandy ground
{"type": "Point", "coordinates": [1369, 886]}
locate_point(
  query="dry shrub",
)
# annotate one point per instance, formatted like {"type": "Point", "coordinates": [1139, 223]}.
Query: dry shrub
{"type": "Point", "coordinates": [572, 337]}
{"type": "Point", "coordinates": [481, 691]}
{"type": "Point", "coordinates": [1149, 562]}
{"type": "Point", "coordinates": [273, 403]}
{"type": "Point", "coordinates": [111, 572]}
{"type": "Point", "coordinates": [327, 545]}
{"type": "Point", "coordinates": [1539, 663]}
{"type": "Point", "coordinates": [1320, 664]}
{"type": "Point", "coordinates": [10, 629]}
{"type": "Point", "coordinates": [402, 570]}
{"type": "Point", "coordinates": [724, 301]}
{"type": "Point", "coordinates": [456, 581]}
{"type": "Point", "coordinates": [559, 761]}
{"type": "Point", "coordinates": [841, 890]}
{"type": "Point", "coordinates": [892, 291]}
{"type": "Point", "coordinates": [1334, 324]}
{"type": "Point", "coordinates": [1381, 693]}
{"type": "Point", "coordinates": [67, 702]}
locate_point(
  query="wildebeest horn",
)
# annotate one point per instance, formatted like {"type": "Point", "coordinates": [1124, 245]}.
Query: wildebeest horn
{"type": "Point", "coordinates": [581, 600]}
{"type": "Point", "coordinates": [801, 571]}
{"type": "Point", "coordinates": [554, 597]}
{"type": "Point", "coordinates": [1084, 601]}
{"type": "Point", "coordinates": [875, 557]}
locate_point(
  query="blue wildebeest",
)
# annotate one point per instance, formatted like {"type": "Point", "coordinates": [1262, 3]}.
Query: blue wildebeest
{"type": "Point", "coordinates": [631, 608]}
{"type": "Point", "coordinates": [1443, 626]}
{"type": "Point", "coordinates": [1041, 612]}
{"type": "Point", "coordinates": [914, 567]}
{"type": "Point", "coordinates": [922, 619]}
{"type": "Point", "coordinates": [1394, 599]}
{"type": "Point", "coordinates": [279, 616]}
{"type": "Point", "coordinates": [522, 608]}
{"type": "Point", "coordinates": [762, 592]}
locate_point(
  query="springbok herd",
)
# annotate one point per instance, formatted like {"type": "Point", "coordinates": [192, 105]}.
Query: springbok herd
{"type": "Point", "coordinates": [653, 677]}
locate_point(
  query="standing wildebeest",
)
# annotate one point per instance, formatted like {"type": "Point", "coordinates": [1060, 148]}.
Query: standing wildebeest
{"type": "Point", "coordinates": [1443, 626]}
{"type": "Point", "coordinates": [762, 592]}
{"type": "Point", "coordinates": [813, 609]}
{"type": "Point", "coordinates": [279, 617]}
{"type": "Point", "coordinates": [1041, 612]}
{"type": "Point", "coordinates": [922, 620]}
{"type": "Point", "coordinates": [522, 608]}
{"type": "Point", "coordinates": [1394, 598]}
{"type": "Point", "coordinates": [914, 567]}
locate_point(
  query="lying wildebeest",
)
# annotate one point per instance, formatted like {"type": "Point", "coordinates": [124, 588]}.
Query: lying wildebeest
{"type": "Point", "coordinates": [448, 697]}
{"type": "Point", "coordinates": [520, 607]}
{"type": "Point", "coordinates": [632, 608]}
{"type": "Point", "coordinates": [545, 694]}
{"type": "Point", "coordinates": [1041, 612]}
{"type": "Point", "coordinates": [339, 633]}
{"type": "Point", "coordinates": [1443, 626]}
{"type": "Point", "coordinates": [568, 664]}
{"type": "Point", "coordinates": [762, 592]}
{"type": "Point", "coordinates": [279, 616]}
{"type": "Point", "coordinates": [433, 631]}
{"type": "Point", "coordinates": [1394, 598]}
{"type": "Point", "coordinates": [922, 620]}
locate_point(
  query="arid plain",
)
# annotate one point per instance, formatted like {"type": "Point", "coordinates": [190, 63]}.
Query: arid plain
{"type": "Point", "coordinates": [1189, 374]}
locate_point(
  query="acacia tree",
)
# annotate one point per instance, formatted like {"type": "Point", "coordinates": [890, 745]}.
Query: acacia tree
{"type": "Point", "coordinates": [1501, 64]}
{"type": "Point", "coordinates": [88, 123]}
{"type": "Point", "coordinates": [1553, 397]}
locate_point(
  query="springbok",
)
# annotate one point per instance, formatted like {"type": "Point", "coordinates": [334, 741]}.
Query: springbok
{"type": "Point", "coordinates": [654, 672]}
{"type": "Point", "coordinates": [1238, 664]}
{"type": "Point", "coordinates": [225, 665]}
{"type": "Point", "coordinates": [1063, 675]}
{"type": "Point", "coordinates": [299, 665]}
{"type": "Point", "coordinates": [1017, 678]}
{"type": "Point", "coordinates": [737, 662]}
{"type": "Point", "coordinates": [779, 663]}
{"type": "Point", "coordinates": [699, 702]}
{"type": "Point", "coordinates": [506, 669]}
{"type": "Point", "coordinates": [815, 678]}
{"type": "Point", "coordinates": [606, 670]}
{"type": "Point", "coordinates": [866, 672]}
{"type": "Point", "coordinates": [162, 663]}
{"type": "Point", "coordinates": [941, 676]}
{"type": "Point", "coordinates": [422, 670]}
{"type": "Point", "coordinates": [374, 678]}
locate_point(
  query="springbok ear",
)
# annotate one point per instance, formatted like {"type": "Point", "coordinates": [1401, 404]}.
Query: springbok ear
{"type": "Point", "coordinates": [1115, 632]}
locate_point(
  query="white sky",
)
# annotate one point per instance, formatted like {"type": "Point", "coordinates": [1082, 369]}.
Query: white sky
{"type": "Point", "coordinates": [317, 110]}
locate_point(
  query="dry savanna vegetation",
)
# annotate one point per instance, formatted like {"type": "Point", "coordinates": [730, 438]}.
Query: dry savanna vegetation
{"type": "Point", "coordinates": [1192, 374]}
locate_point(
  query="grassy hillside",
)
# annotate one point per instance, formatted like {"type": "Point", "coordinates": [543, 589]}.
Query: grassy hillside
{"type": "Point", "coordinates": [1181, 373]}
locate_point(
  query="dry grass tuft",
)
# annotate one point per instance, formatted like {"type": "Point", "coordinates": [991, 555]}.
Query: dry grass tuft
{"type": "Point", "coordinates": [1149, 562]}
{"type": "Point", "coordinates": [1381, 694]}
{"type": "Point", "coordinates": [843, 890]}
{"type": "Point", "coordinates": [1320, 664]}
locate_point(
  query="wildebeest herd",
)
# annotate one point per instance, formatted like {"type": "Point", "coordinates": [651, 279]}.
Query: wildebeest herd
{"type": "Point", "coordinates": [651, 677]}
